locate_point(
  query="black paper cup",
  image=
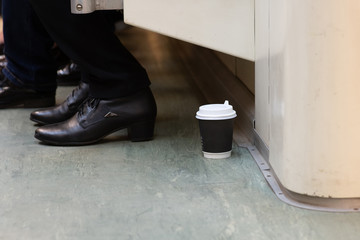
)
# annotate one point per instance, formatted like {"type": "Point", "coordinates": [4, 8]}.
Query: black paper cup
{"type": "Point", "coordinates": [216, 123]}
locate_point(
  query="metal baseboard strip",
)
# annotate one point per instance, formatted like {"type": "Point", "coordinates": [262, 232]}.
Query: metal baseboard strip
{"type": "Point", "coordinates": [295, 199]}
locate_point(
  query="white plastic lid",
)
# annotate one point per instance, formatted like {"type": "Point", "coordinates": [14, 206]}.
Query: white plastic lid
{"type": "Point", "coordinates": [216, 112]}
{"type": "Point", "coordinates": [217, 155]}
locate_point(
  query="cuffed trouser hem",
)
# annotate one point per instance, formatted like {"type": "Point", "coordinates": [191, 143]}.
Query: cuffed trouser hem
{"type": "Point", "coordinates": [9, 74]}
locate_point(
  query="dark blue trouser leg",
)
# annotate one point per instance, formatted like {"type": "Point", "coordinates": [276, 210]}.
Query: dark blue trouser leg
{"type": "Point", "coordinates": [27, 48]}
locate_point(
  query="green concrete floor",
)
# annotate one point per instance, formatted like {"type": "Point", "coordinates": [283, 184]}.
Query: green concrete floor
{"type": "Point", "coordinates": [162, 189]}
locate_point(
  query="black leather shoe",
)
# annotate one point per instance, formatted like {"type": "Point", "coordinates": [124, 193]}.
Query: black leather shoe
{"type": "Point", "coordinates": [3, 61]}
{"type": "Point", "coordinates": [98, 118]}
{"type": "Point", "coordinates": [65, 110]}
{"type": "Point", "coordinates": [14, 96]}
{"type": "Point", "coordinates": [69, 75]}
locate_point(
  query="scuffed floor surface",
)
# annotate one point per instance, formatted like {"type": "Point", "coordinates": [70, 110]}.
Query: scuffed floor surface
{"type": "Point", "coordinates": [162, 189]}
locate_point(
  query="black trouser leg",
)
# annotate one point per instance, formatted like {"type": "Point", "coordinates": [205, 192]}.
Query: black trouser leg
{"type": "Point", "coordinates": [89, 40]}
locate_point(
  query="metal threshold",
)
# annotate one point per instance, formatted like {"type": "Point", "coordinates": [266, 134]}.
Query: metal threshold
{"type": "Point", "coordinates": [296, 199]}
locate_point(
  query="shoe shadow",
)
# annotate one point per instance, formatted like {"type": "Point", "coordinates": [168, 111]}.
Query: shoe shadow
{"type": "Point", "coordinates": [119, 136]}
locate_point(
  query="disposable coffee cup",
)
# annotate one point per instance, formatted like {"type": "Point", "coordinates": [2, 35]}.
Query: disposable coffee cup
{"type": "Point", "coordinates": [216, 123]}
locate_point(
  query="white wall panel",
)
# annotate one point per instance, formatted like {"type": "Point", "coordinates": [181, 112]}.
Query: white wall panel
{"type": "Point", "coordinates": [262, 83]}
{"type": "Point", "coordinates": [315, 96]}
{"type": "Point", "coordinates": [223, 25]}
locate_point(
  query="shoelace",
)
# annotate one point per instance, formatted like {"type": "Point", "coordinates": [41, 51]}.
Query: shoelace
{"type": "Point", "coordinates": [74, 91]}
{"type": "Point", "coordinates": [71, 100]}
{"type": "Point", "coordinates": [88, 105]}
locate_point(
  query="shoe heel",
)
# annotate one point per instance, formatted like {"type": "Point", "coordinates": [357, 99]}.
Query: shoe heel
{"type": "Point", "coordinates": [143, 131]}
